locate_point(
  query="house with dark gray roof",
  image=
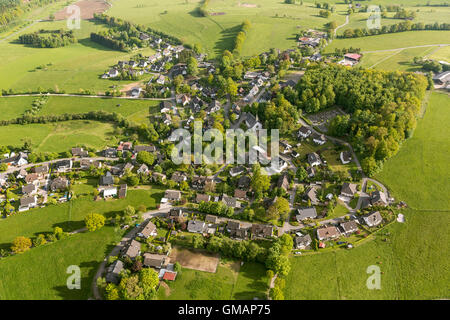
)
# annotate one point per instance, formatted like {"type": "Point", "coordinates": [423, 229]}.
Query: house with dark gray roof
{"type": "Point", "coordinates": [113, 272]}
{"type": "Point", "coordinates": [378, 198]}
{"type": "Point", "coordinates": [106, 180]}
{"type": "Point", "coordinates": [349, 189]}
{"type": "Point", "coordinates": [314, 159]}
{"type": "Point", "coordinates": [306, 213]}
{"type": "Point", "coordinates": [373, 219]}
{"type": "Point", "coordinates": [301, 242]}
{"type": "Point", "coordinates": [196, 226]}
{"type": "Point", "coordinates": [348, 227]}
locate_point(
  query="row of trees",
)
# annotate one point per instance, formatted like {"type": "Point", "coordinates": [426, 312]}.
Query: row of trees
{"type": "Point", "coordinates": [382, 107]}
{"type": "Point", "coordinates": [240, 37]}
{"type": "Point", "coordinates": [48, 38]}
{"type": "Point", "coordinates": [393, 28]}
{"type": "Point", "coordinates": [216, 208]}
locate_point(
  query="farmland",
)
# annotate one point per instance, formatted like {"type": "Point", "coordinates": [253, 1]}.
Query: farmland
{"type": "Point", "coordinates": [418, 174]}
{"type": "Point", "coordinates": [231, 281]}
{"type": "Point", "coordinates": [411, 263]}
{"type": "Point", "coordinates": [69, 69]}
{"type": "Point", "coordinates": [59, 137]}
{"type": "Point", "coordinates": [274, 24]}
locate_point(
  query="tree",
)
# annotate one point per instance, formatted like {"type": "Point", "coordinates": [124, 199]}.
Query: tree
{"type": "Point", "coordinates": [260, 182]}
{"type": "Point", "coordinates": [40, 240]}
{"type": "Point", "coordinates": [280, 208]}
{"type": "Point", "coordinates": [94, 221]}
{"type": "Point", "coordinates": [3, 167]}
{"type": "Point", "coordinates": [21, 244]}
{"type": "Point", "coordinates": [111, 292]}
{"type": "Point", "coordinates": [129, 211]}
{"type": "Point", "coordinates": [149, 279]}
{"type": "Point", "coordinates": [192, 66]}
{"type": "Point", "coordinates": [145, 157]}
{"type": "Point", "coordinates": [198, 241]}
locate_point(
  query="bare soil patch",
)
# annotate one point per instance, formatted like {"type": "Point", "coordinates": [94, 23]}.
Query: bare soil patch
{"type": "Point", "coordinates": [87, 9]}
{"type": "Point", "coordinates": [196, 260]}
{"type": "Point", "coordinates": [247, 5]}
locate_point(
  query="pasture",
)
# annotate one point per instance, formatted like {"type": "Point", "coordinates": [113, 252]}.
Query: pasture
{"type": "Point", "coordinates": [71, 69]}
{"type": "Point", "coordinates": [43, 220]}
{"type": "Point", "coordinates": [419, 173]}
{"type": "Point", "coordinates": [411, 263]}
{"type": "Point", "coordinates": [230, 281]}
{"type": "Point", "coordinates": [392, 41]}
{"type": "Point", "coordinates": [274, 23]}
{"type": "Point", "coordinates": [41, 273]}
{"type": "Point", "coordinates": [59, 137]}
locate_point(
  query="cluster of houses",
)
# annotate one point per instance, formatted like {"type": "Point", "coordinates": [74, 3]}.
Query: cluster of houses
{"type": "Point", "coordinates": [311, 38]}
{"type": "Point", "coordinates": [141, 65]}
{"type": "Point", "coordinates": [132, 249]}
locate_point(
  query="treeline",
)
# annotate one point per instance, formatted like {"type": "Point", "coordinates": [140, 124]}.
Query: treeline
{"type": "Point", "coordinates": [216, 208]}
{"type": "Point", "coordinates": [394, 28]}
{"type": "Point", "coordinates": [203, 8]}
{"type": "Point", "coordinates": [382, 107]}
{"type": "Point", "coordinates": [48, 38]}
{"type": "Point", "coordinates": [12, 9]}
{"type": "Point", "coordinates": [240, 37]}
{"type": "Point", "coordinates": [145, 132]}
{"type": "Point", "coordinates": [107, 41]}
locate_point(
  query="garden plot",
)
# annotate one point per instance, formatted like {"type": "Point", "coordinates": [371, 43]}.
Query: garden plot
{"type": "Point", "coordinates": [195, 260]}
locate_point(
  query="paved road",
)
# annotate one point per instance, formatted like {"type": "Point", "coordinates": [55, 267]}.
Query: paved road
{"type": "Point", "coordinates": [82, 96]}
{"type": "Point", "coordinates": [14, 168]}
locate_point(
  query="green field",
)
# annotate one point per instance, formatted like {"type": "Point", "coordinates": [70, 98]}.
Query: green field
{"type": "Point", "coordinates": [59, 137]}
{"type": "Point", "coordinates": [392, 41]}
{"type": "Point", "coordinates": [395, 60]}
{"type": "Point", "coordinates": [71, 68]}
{"type": "Point", "coordinates": [35, 221]}
{"type": "Point", "coordinates": [230, 281]}
{"type": "Point", "coordinates": [414, 264]}
{"type": "Point", "coordinates": [439, 54]}
{"type": "Point", "coordinates": [274, 24]}
{"type": "Point", "coordinates": [419, 173]}
{"type": "Point", "coordinates": [41, 272]}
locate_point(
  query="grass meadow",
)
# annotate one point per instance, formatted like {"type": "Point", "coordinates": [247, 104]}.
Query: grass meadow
{"type": "Point", "coordinates": [411, 263]}
{"type": "Point", "coordinates": [419, 173]}
{"type": "Point", "coordinates": [230, 281]}
{"type": "Point", "coordinates": [71, 68]}
{"type": "Point", "coordinates": [274, 23]}
{"type": "Point", "coordinates": [59, 137]}
{"type": "Point", "coordinates": [392, 41]}
{"type": "Point", "coordinates": [40, 273]}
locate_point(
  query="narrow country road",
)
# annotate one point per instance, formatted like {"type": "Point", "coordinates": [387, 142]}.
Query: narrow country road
{"type": "Point", "coordinates": [347, 19]}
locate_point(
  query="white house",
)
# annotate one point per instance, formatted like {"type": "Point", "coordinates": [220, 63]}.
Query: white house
{"type": "Point", "coordinates": [109, 192]}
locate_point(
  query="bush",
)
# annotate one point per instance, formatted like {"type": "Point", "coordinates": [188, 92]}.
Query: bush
{"type": "Point", "coordinates": [21, 244]}
{"type": "Point", "coordinates": [94, 221]}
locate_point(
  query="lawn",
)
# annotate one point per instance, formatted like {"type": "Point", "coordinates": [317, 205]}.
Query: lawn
{"type": "Point", "coordinates": [231, 281]}
{"type": "Point", "coordinates": [400, 60]}
{"type": "Point", "coordinates": [59, 137]}
{"type": "Point", "coordinates": [442, 53]}
{"type": "Point", "coordinates": [392, 41]}
{"type": "Point", "coordinates": [419, 173]}
{"type": "Point", "coordinates": [413, 263]}
{"type": "Point", "coordinates": [274, 23]}
{"type": "Point", "coordinates": [35, 221]}
{"type": "Point", "coordinates": [41, 274]}
{"type": "Point", "coordinates": [71, 68]}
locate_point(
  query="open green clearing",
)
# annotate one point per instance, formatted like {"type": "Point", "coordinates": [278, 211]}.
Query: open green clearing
{"type": "Point", "coordinates": [14, 107]}
{"type": "Point", "coordinates": [59, 137]}
{"type": "Point", "coordinates": [400, 60]}
{"type": "Point", "coordinates": [412, 263]}
{"type": "Point", "coordinates": [71, 68]}
{"type": "Point", "coordinates": [230, 281]}
{"type": "Point", "coordinates": [419, 173]}
{"type": "Point", "coordinates": [41, 272]}
{"type": "Point", "coordinates": [274, 24]}
{"type": "Point", "coordinates": [439, 54]}
{"type": "Point", "coordinates": [392, 40]}
{"type": "Point", "coordinates": [35, 221]}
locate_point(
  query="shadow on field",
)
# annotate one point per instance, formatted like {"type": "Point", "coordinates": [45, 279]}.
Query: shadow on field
{"type": "Point", "coordinates": [90, 44]}
{"type": "Point", "coordinates": [85, 283]}
{"type": "Point", "coordinates": [256, 288]}
{"type": "Point", "coordinates": [226, 40]}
